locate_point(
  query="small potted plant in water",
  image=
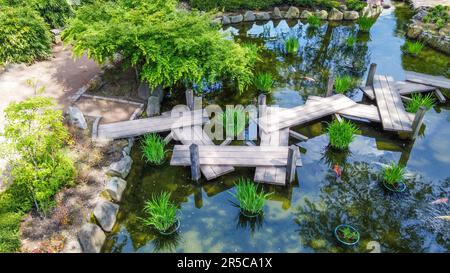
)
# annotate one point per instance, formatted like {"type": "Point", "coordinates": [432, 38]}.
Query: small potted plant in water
{"type": "Point", "coordinates": [393, 176]}
{"type": "Point", "coordinates": [263, 82]}
{"type": "Point", "coordinates": [341, 134]}
{"type": "Point", "coordinates": [162, 214]}
{"type": "Point", "coordinates": [153, 149]}
{"type": "Point", "coordinates": [347, 234]}
{"type": "Point", "coordinates": [251, 201]}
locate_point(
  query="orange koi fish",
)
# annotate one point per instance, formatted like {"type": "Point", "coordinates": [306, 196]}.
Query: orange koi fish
{"type": "Point", "coordinates": [440, 201]}
{"type": "Point", "coordinates": [337, 170]}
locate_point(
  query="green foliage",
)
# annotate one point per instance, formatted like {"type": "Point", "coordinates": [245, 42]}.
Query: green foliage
{"type": "Point", "coordinates": [162, 213]}
{"type": "Point", "coordinates": [35, 134]}
{"type": "Point", "coordinates": [234, 120]}
{"type": "Point", "coordinates": [233, 5]}
{"type": "Point", "coordinates": [9, 231]}
{"type": "Point", "coordinates": [341, 134]}
{"type": "Point", "coordinates": [418, 100]}
{"type": "Point", "coordinates": [393, 174]}
{"type": "Point", "coordinates": [343, 84]}
{"type": "Point", "coordinates": [350, 41]}
{"type": "Point", "coordinates": [291, 46]}
{"type": "Point", "coordinates": [167, 45]}
{"type": "Point", "coordinates": [365, 23]}
{"type": "Point", "coordinates": [355, 4]}
{"type": "Point", "coordinates": [439, 15]}
{"type": "Point", "coordinates": [347, 234]}
{"type": "Point", "coordinates": [250, 199]}
{"type": "Point", "coordinates": [153, 149]}
{"type": "Point", "coordinates": [327, 4]}
{"type": "Point", "coordinates": [264, 82]}
{"type": "Point", "coordinates": [313, 21]}
{"type": "Point", "coordinates": [24, 36]}
{"type": "Point", "coordinates": [413, 48]}
{"type": "Point", "coordinates": [54, 12]}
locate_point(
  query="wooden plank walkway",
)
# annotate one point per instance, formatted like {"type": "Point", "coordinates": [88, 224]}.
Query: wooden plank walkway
{"type": "Point", "coordinates": [390, 106]}
{"type": "Point", "coordinates": [195, 134]}
{"type": "Point", "coordinates": [436, 81]}
{"type": "Point", "coordinates": [158, 124]}
{"type": "Point", "coordinates": [403, 88]}
{"type": "Point", "coordinates": [304, 113]}
{"type": "Point", "coordinates": [242, 156]}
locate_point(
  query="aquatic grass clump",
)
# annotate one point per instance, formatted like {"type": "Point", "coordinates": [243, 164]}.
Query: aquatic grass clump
{"type": "Point", "coordinates": [365, 23]}
{"type": "Point", "coordinates": [313, 21]}
{"type": "Point", "coordinates": [343, 84]}
{"type": "Point", "coordinates": [418, 100]}
{"type": "Point", "coordinates": [350, 41]}
{"type": "Point", "coordinates": [153, 149]}
{"type": "Point", "coordinates": [264, 82]}
{"type": "Point", "coordinates": [234, 120]}
{"type": "Point", "coordinates": [291, 46]}
{"type": "Point", "coordinates": [250, 199]}
{"type": "Point", "coordinates": [413, 48]}
{"type": "Point", "coordinates": [347, 234]}
{"type": "Point", "coordinates": [393, 175]}
{"type": "Point", "coordinates": [341, 134]}
{"type": "Point", "coordinates": [162, 213]}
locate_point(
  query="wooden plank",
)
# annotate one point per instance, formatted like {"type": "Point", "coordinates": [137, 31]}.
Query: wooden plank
{"type": "Point", "coordinates": [297, 136]}
{"type": "Point", "coordinates": [440, 96]}
{"type": "Point", "coordinates": [405, 88]}
{"type": "Point", "coordinates": [368, 91]}
{"type": "Point", "coordinates": [305, 113]}
{"type": "Point", "coordinates": [436, 81]}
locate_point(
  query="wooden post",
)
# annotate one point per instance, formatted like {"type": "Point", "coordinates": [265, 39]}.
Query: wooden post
{"type": "Point", "coordinates": [291, 166]}
{"type": "Point", "coordinates": [440, 96]}
{"type": "Point", "coordinates": [198, 198]}
{"type": "Point", "coordinates": [95, 127]}
{"type": "Point", "coordinates": [153, 106]}
{"type": "Point", "coordinates": [417, 123]}
{"type": "Point", "coordinates": [298, 136]}
{"type": "Point", "coordinates": [372, 70]}
{"type": "Point", "coordinates": [195, 162]}
{"type": "Point", "coordinates": [168, 138]}
{"type": "Point", "coordinates": [190, 99]}
{"type": "Point", "coordinates": [330, 84]}
{"type": "Point", "coordinates": [262, 109]}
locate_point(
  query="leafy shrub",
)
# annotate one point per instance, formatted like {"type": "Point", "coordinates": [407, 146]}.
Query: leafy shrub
{"type": "Point", "coordinates": [341, 134]}
{"type": "Point", "coordinates": [439, 15]}
{"type": "Point", "coordinates": [162, 213]}
{"type": "Point", "coordinates": [327, 4]}
{"type": "Point", "coordinates": [24, 36]}
{"type": "Point", "coordinates": [234, 120]}
{"type": "Point", "coordinates": [232, 5]}
{"type": "Point", "coordinates": [343, 84]}
{"type": "Point", "coordinates": [153, 149]}
{"type": "Point", "coordinates": [365, 23]}
{"type": "Point", "coordinates": [418, 100]}
{"type": "Point", "coordinates": [9, 231]}
{"type": "Point", "coordinates": [264, 82]}
{"type": "Point", "coordinates": [413, 48]}
{"type": "Point", "coordinates": [393, 174]}
{"type": "Point", "coordinates": [54, 12]}
{"type": "Point", "coordinates": [313, 21]}
{"type": "Point", "coordinates": [291, 45]}
{"type": "Point", "coordinates": [355, 4]}
{"type": "Point", "coordinates": [250, 199]}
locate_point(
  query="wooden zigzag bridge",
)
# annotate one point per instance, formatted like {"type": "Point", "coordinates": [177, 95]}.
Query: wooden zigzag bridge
{"type": "Point", "coordinates": [276, 162]}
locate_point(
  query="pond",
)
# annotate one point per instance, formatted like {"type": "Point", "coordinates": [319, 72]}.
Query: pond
{"type": "Point", "coordinates": [301, 217]}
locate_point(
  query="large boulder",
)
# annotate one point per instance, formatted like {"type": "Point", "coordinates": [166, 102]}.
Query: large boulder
{"type": "Point", "coordinates": [305, 14]}
{"type": "Point", "coordinates": [276, 14]}
{"type": "Point", "coordinates": [72, 246]}
{"type": "Point", "coordinates": [120, 168]}
{"type": "Point", "coordinates": [226, 20]}
{"type": "Point", "coordinates": [249, 16]}
{"type": "Point", "coordinates": [292, 13]}
{"type": "Point", "coordinates": [414, 31]}
{"type": "Point", "coordinates": [236, 18]}
{"type": "Point", "coordinates": [322, 14]}
{"type": "Point", "coordinates": [105, 212]}
{"type": "Point", "coordinates": [335, 15]}
{"type": "Point", "coordinates": [91, 238]}
{"type": "Point", "coordinates": [143, 91]}
{"type": "Point", "coordinates": [262, 16]}
{"type": "Point", "coordinates": [115, 187]}
{"type": "Point", "coordinates": [76, 118]}
{"type": "Point", "coordinates": [351, 15]}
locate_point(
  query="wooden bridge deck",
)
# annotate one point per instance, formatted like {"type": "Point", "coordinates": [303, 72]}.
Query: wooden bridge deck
{"type": "Point", "coordinates": [158, 124]}
{"type": "Point", "coordinates": [195, 134]}
{"type": "Point", "coordinates": [436, 81]}
{"type": "Point", "coordinates": [305, 113]}
{"type": "Point", "coordinates": [403, 88]}
{"type": "Point", "coordinates": [390, 106]}
{"type": "Point", "coordinates": [242, 156]}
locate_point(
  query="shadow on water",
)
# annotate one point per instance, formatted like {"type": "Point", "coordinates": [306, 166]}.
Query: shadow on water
{"type": "Point", "coordinates": [301, 217]}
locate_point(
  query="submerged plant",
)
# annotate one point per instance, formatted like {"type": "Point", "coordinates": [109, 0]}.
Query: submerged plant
{"type": "Point", "coordinates": [418, 100]}
{"type": "Point", "coordinates": [365, 23]}
{"type": "Point", "coordinates": [341, 134]}
{"type": "Point", "coordinates": [234, 120]}
{"type": "Point", "coordinates": [393, 174]}
{"type": "Point", "coordinates": [264, 82]}
{"type": "Point", "coordinates": [153, 149]}
{"type": "Point", "coordinates": [413, 48]}
{"type": "Point", "coordinates": [313, 21]}
{"type": "Point", "coordinates": [350, 41]}
{"type": "Point", "coordinates": [343, 84]}
{"type": "Point", "coordinates": [291, 45]}
{"type": "Point", "coordinates": [162, 213]}
{"type": "Point", "coordinates": [250, 199]}
{"type": "Point", "coordinates": [347, 234]}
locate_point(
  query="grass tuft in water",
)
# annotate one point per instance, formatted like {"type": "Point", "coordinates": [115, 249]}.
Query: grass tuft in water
{"type": "Point", "coordinates": [418, 100]}
{"type": "Point", "coordinates": [341, 134]}
{"type": "Point", "coordinates": [264, 82]}
{"type": "Point", "coordinates": [413, 48]}
{"type": "Point", "coordinates": [350, 41]}
{"type": "Point", "coordinates": [162, 213]}
{"type": "Point", "coordinates": [313, 21]}
{"type": "Point", "coordinates": [250, 199]}
{"type": "Point", "coordinates": [393, 174]}
{"type": "Point", "coordinates": [291, 45]}
{"type": "Point", "coordinates": [343, 84]}
{"type": "Point", "coordinates": [365, 23]}
{"type": "Point", "coordinates": [153, 149]}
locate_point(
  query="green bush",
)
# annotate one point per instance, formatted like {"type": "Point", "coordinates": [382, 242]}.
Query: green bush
{"type": "Point", "coordinates": [232, 5]}
{"type": "Point", "coordinates": [327, 4]}
{"type": "Point", "coordinates": [162, 213]}
{"type": "Point", "coordinates": [313, 21]}
{"type": "Point", "coordinates": [355, 4]}
{"type": "Point", "coordinates": [54, 12]}
{"type": "Point", "coordinates": [251, 200]}
{"type": "Point", "coordinates": [153, 149]}
{"type": "Point", "coordinates": [24, 36]}
{"type": "Point", "coordinates": [418, 100]}
{"type": "Point", "coordinates": [439, 15]}
{"type": "Point", "coordinates": [341, 134]}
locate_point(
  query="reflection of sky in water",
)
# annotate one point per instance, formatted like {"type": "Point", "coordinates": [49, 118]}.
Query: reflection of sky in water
{"type": "Point", "coordinates": [300, 218]}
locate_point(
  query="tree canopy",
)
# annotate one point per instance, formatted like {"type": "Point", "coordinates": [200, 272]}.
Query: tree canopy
{"type": "Point", "coordinates": [168, 45]}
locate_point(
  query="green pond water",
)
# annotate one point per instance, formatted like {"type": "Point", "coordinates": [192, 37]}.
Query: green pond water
{"type": "Point", "coordinates": [301, 217]}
